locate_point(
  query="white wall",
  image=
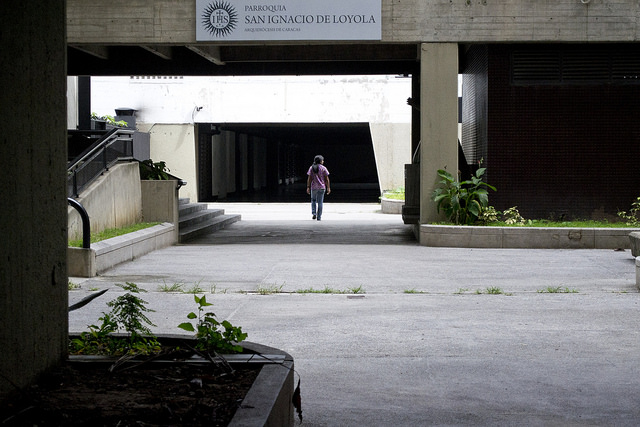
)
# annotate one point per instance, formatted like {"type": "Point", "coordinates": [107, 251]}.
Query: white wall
{"type": "Point", "coordinates": [287, 99]}
{"type": "Point", "coordinates": [167, 106]}
{"type": "Point", "coordinates": [175, 145]}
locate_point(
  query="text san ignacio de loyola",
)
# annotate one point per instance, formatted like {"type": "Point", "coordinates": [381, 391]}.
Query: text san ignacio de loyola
{"type": "Point", "coordinates": [283, 18]}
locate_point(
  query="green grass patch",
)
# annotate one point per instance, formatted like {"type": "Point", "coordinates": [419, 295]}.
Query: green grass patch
{"type": "Point", "coordinates": [413, 291]}
{"type": "Point", "coordinates": [397, 194]}
{"type": "Point", "coordinates": [113, 232]}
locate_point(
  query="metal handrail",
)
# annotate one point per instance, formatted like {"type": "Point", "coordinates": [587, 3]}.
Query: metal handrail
{"type": "Point", "coordinates": [107, 139]}
{"type": "Point", "coordinates": [89, 156]}
{"type": "Point", "coordinates": [86, 224]}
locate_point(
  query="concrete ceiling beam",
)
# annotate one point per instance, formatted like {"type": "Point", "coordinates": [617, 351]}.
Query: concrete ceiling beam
{"type": "Point", "coordinates": [211, 53]}
{"type": "Point", "coordinates": [101, 52]}
{"type": "Point", "coordinates": [164, 52]}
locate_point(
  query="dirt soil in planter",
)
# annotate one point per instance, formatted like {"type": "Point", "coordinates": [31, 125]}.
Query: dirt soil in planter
{"type": "Point", "coordinates": [152, 394]}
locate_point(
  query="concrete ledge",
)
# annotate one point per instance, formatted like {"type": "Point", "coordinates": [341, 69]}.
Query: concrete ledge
{"type": "Point", "coordinates": [111, 252]}
{"type": "Point", "coordinates": [524, 237]}
{"type": "Point", "coordinates": [638, 272]}
{"type": "Point", "coordinates": [269, 401]}
{"type": "Point", "coordinates": [391, 206]}
{"type": "Point", "coordinates": [634, 240]}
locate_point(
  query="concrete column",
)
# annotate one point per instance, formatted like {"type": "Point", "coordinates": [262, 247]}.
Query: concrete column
{"type": "Point", "coordinates": [33, 225]}
{"type": "Point", "coordinates": [438, 120]}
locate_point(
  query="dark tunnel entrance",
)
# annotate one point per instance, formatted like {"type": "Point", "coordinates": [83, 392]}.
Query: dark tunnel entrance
{"type": "Point", "coordinates": [268, 162]}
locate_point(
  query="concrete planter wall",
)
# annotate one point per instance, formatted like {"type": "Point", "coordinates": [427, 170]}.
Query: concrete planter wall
{"type": "Point", "coordinates": [524, 237]}
{"type": "Point", "coordinates": [391, 206]}
{"type": "Point", "coordinates": [108, 253]}
{"type": "Point", "coordinates": [160, 201]}
{"type": "Point", "coordinates": [269, 401]}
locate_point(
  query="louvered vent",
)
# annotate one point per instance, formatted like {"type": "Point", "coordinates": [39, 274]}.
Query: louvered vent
{"type": "Point", "coordinates": [574, 65]}
{"type": "Point", "coordinates": [534, 66]}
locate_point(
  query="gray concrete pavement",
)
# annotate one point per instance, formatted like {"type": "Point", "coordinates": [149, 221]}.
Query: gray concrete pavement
{"type": "Point", "coordinates": [425, 344]}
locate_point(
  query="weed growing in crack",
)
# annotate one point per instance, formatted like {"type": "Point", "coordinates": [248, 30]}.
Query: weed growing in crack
{"type": "Point", "coordinates": [557, 290]}
{"type": "Point", "coordinates": [176, 287]}
{"type": "Point", "coordinates": [269, 289]}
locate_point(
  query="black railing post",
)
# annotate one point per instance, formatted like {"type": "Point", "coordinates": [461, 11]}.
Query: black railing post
{"type": "Point", "coordinates": [104, 159]}
{"type": "Point", "coordinates": [86, 225]}
{"type": "Point", "coordinates": [75, 183]}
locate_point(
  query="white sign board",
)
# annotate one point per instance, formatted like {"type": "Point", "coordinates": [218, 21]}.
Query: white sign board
{"type": "Point", "coordinates": [240, 20]}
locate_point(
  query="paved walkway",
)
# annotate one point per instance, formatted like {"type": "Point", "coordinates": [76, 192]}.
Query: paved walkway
{"type": "Point", "coordinates": [425, 343]}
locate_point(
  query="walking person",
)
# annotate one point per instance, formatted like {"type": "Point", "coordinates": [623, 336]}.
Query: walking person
{"type": "Point", "coordinates": [317, 185]}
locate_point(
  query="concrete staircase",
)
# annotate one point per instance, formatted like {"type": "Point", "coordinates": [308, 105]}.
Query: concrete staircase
{"type": "Point", "coordinates": [196, 220]}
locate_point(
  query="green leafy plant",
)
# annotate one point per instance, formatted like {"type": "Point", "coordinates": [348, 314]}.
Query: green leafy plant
{"type": "Point", "coordinates": [154, 170]}
{"type": "Point", "coordinates": [109, 119]}
{"type": "Point", "coordinates": [489, 214]}
{"type": "Point", "coordinates": [462, 202]}
{"type": "Point", "coordinates": [127, 314]}
{"type": "Point", "coordinates": [632, 218]}
{"type": "Point", "coordinates": [212, 335]}
{"type": "Point", "coordinates": [513, 217]}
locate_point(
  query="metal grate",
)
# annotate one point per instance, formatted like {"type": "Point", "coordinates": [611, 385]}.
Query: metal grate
{"type": "Point", "coordinates": [575, 65]}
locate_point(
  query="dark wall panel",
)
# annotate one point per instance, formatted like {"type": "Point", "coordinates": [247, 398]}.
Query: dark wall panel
{"type": "Point", "coordinates": [562, 150]}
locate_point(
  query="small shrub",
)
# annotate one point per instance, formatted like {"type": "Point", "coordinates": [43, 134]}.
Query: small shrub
{"type": "Point", "coordinates": [632, 218]}
{"type": "Point", "coordinates": [489, 214]}
{"type": "Point", "coordinates": [513, 217]}
{"type": "Point", "coordinates": [127, 314]}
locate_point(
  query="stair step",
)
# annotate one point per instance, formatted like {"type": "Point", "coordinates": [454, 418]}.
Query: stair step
{"type": "Point", "coordinates": [201, 228]}
{"type": "Point", "coordinates": [198, 217]}
{"type": "Point", "coordinates": [190, 208]}
{"type": "Point", "coordinates": [184, 201]}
